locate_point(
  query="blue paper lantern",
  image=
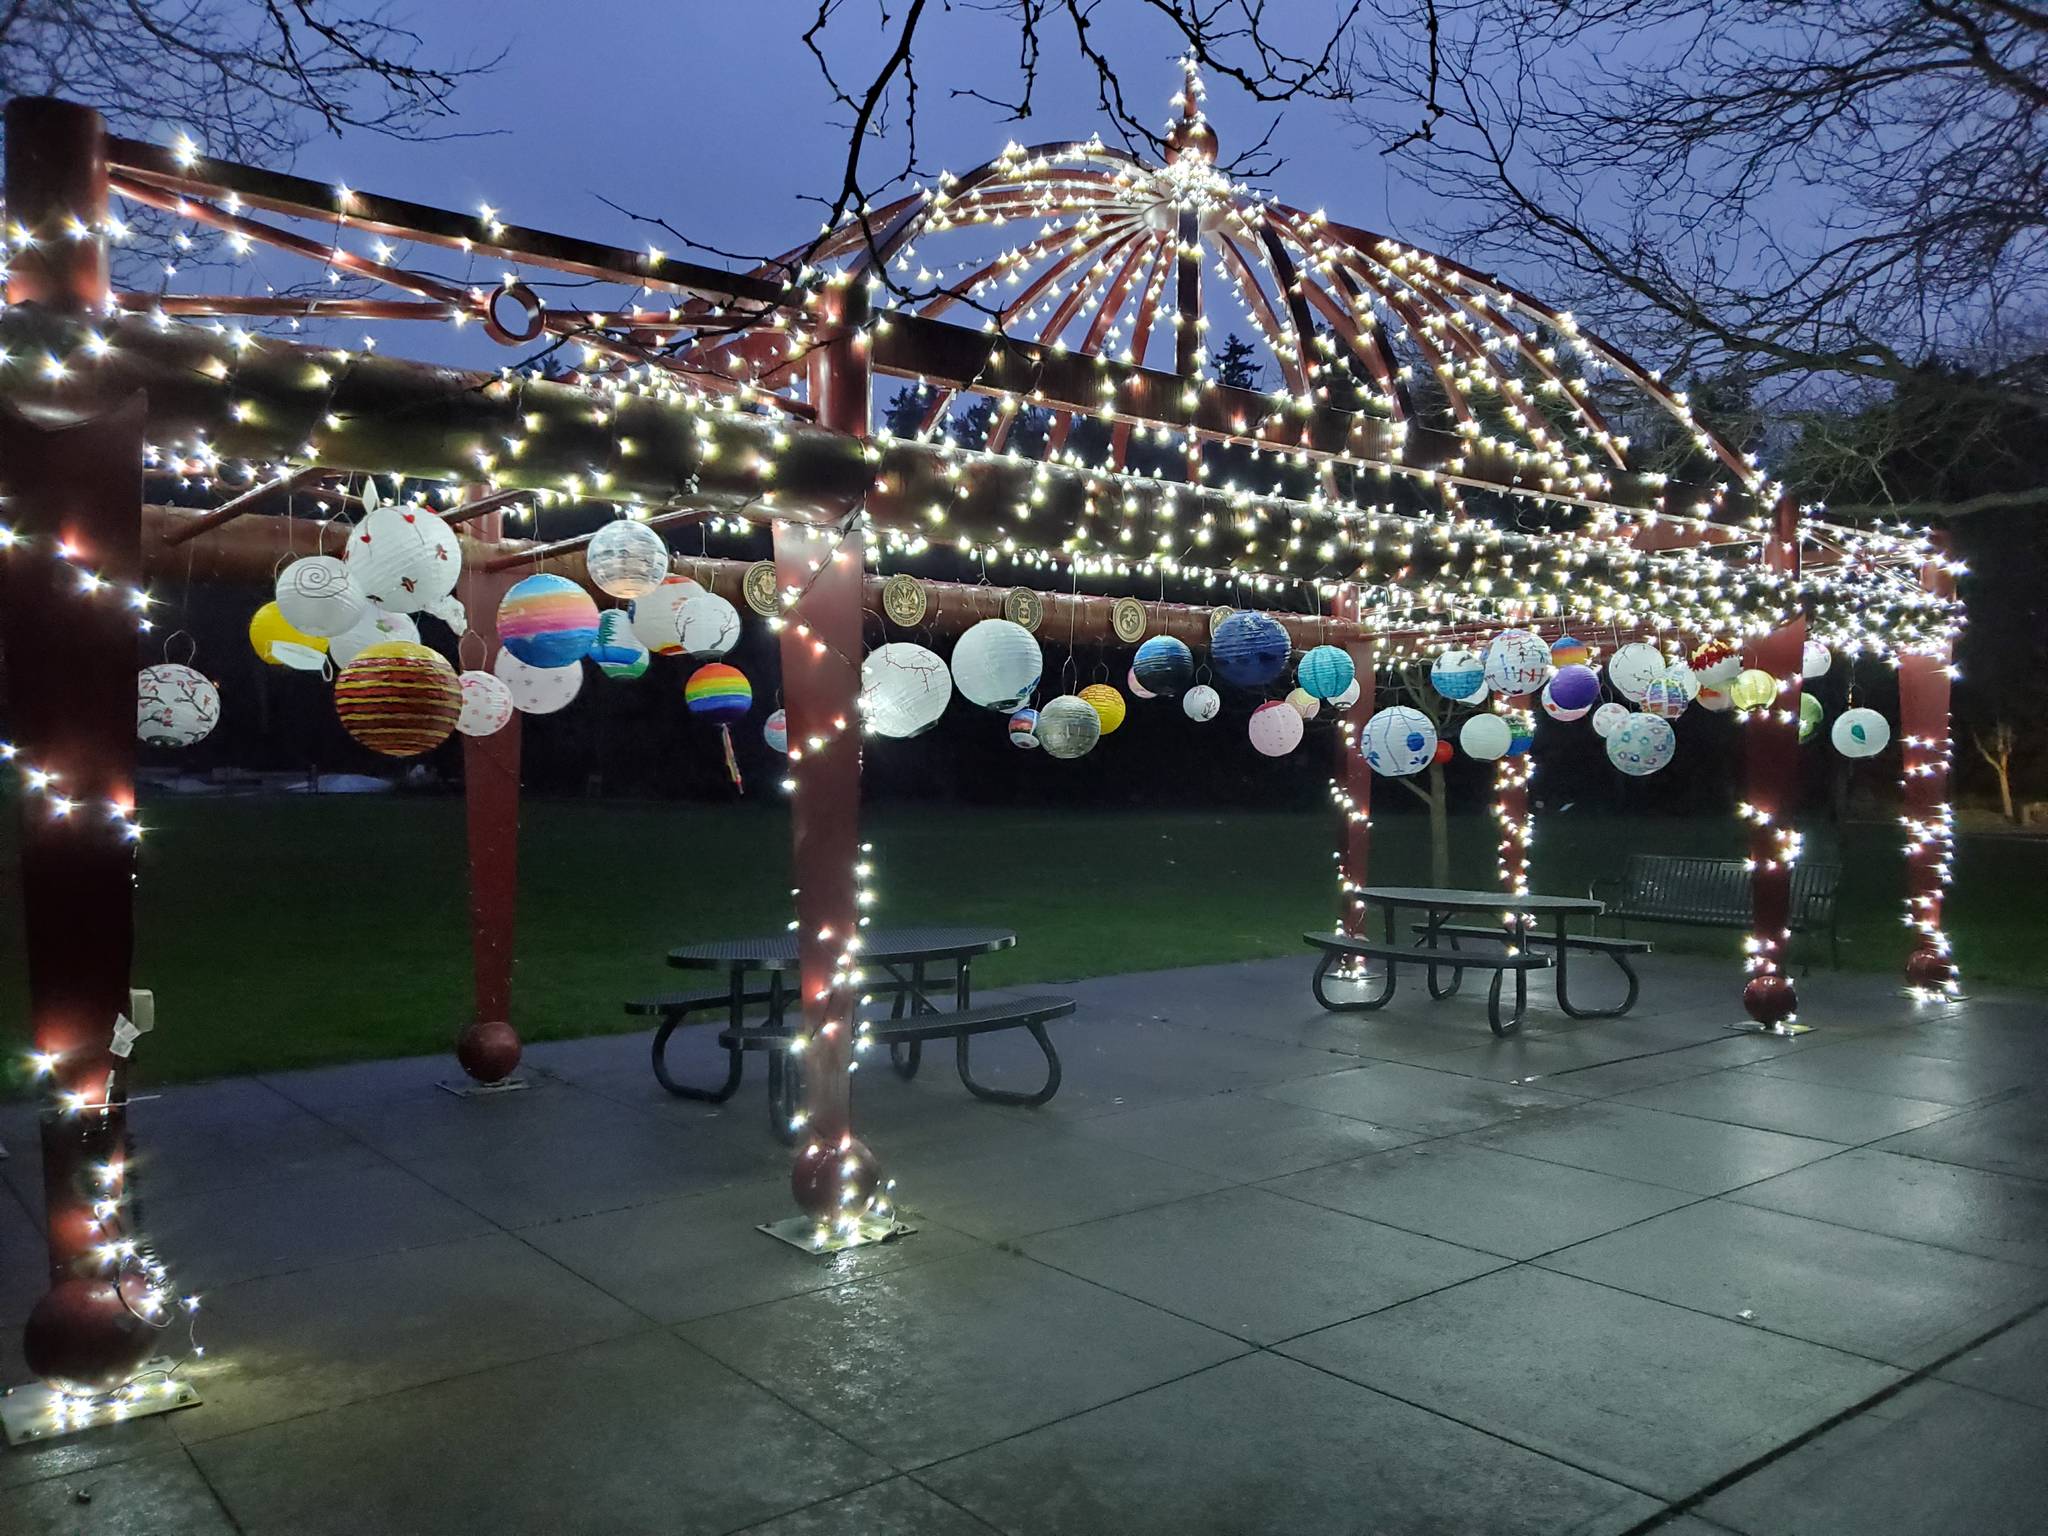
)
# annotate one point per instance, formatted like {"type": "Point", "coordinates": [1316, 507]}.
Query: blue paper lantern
{"type": "Point", "coordinates": [1249, 649]}
{"type": "Point", "coordinates": [1164, 665]}
{"type": "Point", "coordinates": [1325, 672]}
{"type": "Point", "coordinates": [1459, 675]}
{"type": "Point", "coordinates": [1575, 686]}
{"type": "Point", "coordinates": [1399, 741]}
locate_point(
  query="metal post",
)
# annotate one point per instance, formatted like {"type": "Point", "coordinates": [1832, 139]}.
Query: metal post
{"type": "Point", "coordinates": [489, 1047]}
{"type": "Point", "coordinates": [835, 1176]}
{"type": "Point", "coordinates": [1352, 785]}
{"type": "Point", "coordinates": [1927, 813]}
{"type": "Point", "coordinates": [73, 499]}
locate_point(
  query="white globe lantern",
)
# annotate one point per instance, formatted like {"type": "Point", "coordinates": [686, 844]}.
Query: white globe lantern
{"type": "Point", "coordinates": [1860, 733]}
{"type": "Point", "coordinates": [1641, 744]}
{"type": "Point", "coordinates": [626, 559]}
{"type": "Point", "coordinates": [403, 558]}
{"type": "Point", "coordinates": [1347, 698]}
{"type": "Point", "coordinates": [1201, 703]}
{"type": "Point", "coordinates": [375, 628]}
{"type": "Point", "coordinates": [1276, 729]}
{"type": "Point", "coordinates": [1607, 717]}
{"type": "Point", "coordinates": [1459, 675]}
{"type": "Point", "coordinates": [1815, 659]}
{"type": "Point", "coordinates": [707, 626]}
{"type": "Point", "coordinates": [1634, 667]}
{"type": "Point", "coordinates": [1068, 727]}
{"type": "Point", "coordinates": [904, 688]}
{"type": "Point", "coordinates": [486, 704]}
{"type": "Point", "coordinates": [315, 596]}
{"type": "Point", "coordinates": [1486, 737]}
{"type": "Point", "coordinates": [997, 665]}
{"type": "Point", "coordinates": [175, 705]}
{"type": "Point", "coordinates": [1399, 741]}
{"type": "Point", "coordinates": [1517, 663]}
{"type": "Point", "coordinates": [538, 690]}
{"type": "Point", "coordinates": [658, 618]}
{"type": "Point", "coordinates": [1304, 703]}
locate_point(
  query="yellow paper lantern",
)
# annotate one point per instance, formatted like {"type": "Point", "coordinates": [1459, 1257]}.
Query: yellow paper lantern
{"type": "Point", "coordinates": [1753, 689]}
{"type": "Point", "coordinates": [270, 629]}
{"type": "Point", "coordinates": [1107, 703]}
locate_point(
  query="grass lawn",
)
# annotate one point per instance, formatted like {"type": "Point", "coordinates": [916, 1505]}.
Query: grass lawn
{"type": "Point", "coordinates": [282, 932]}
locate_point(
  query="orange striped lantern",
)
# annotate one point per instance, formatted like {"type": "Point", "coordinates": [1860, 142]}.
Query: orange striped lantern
{"type": "Point", "coordinates": [399, 699]}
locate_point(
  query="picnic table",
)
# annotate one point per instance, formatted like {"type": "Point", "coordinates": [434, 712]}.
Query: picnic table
{"type": "Point", "coordinates": [925, 973]}
{"type": "Point", "coordinates": [1516, 944]}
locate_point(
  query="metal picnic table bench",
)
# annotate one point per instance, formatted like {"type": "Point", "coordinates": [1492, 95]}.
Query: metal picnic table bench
{"type": "Point", "coordinates": [761, 973]}
{"type": "Point", "coordinates": [1522, 947]}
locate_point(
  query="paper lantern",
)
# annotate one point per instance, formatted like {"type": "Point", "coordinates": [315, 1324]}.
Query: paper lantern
{"type": "Point", "coordinates": [1347, 698]}
{"type": "Point", "coordinates": [1810, 716]}
{"type": "Point", "coordinates": [1715, 699]}
{"type": "Point", "coordinates": [707, 626]}
{"type": "Point", "coordinates": [1443, 753]}
{"type": "Point", "coordinates": [1641, 744]}
{"type": "Point", "coordinates": [400, 699]}
{"type": "Point", "coordinates": [316, 598]}
{"type": "Point", "coordinates": [1024, 728]}
{"type": "Point", "coordinates": [1607, 717]}
{"type": "Point", "coordinates": [547, 621]}
{"type": "Point", "coordinates": [1304, 703]}
{"type": "Point", "coordinates": [175, 705]}
{"type": "Point", "coordinates": [1068, 727]}
{"type": "Point", "coordinates": [1164, 665]}
{"type": "Point", "coordinates": [1557, 711]}
{"type": "Point", "coordinates": [657, 615]}
{"type": "Point", "coordinates": [1633, 668]}
{"type": "Point", "coordinates": [775, 731]}
{"type": "Point", "coordinates": [904, 688]}
{"type": "Point", "coordinates": [1716, 662]}
{"type": "Point", "coordinates": [1753, 689]}
{"type": "Point", "coordinates": [1860, 733]}
{"type": "Point", "coordinates": [1575, 687]}
{"type": "Point", "coordinates": [1569, 651]}
{"type": "Point", "coordinates": [1517, 663]}
{"type": "Point", "coordinates": [538, 690]}
{"type": "Point", "coordinates": [1201, 703]}
{"type": "Point", "coordinates": [625, 559]}
{"type": "Point", "coordinates": [1276, 728]}
{"type": "Point", "coordinates": [1107, 703]}
{"type": "Point", "coordinates": [1136, 689]}
{"type": "Point", "coordinates": [1815, 660]}
{"type": "Point", "coordinates": [1249, 650]}
{"type": "Point", "coordinates": [1521, 732]}
{"type": "Point", "coordinates": [1459, 676]}
{"type": "Point", "coordinates": [486, 704]}
{"type": "Point", "coordinates": [375, 628]}
{"type": "Point", "coordinates": [1486, 737]}
{"type": "Point", "coordinates": [1684, 679]}
{"type": "Point", "coordinates": [997, 665]}
{"type": "Point", "coordinates": [449, 611]}
{"type": "Point", "coordinates": [1398, 741]}
{"type": "Point", "coordinates": [1665, 698]}
{"type": "Point", "coordinates": [618, 652]}
{"type": "Point", "coordinates": [718, 693]}
{"type": "Point", "coordinates": [403, 558]}
{"type": "Point", "coordinates": [281, 645]}
{"type": "Point", "coordinates": [1325, 672]}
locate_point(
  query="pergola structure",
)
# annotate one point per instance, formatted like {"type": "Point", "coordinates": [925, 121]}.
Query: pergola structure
{"type": "Point", "coordinates": [1444, 456]}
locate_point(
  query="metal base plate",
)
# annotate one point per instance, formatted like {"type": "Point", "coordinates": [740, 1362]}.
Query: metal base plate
{"type": "Point", "coordinates": [802, 1232]}
{"type": "Point", "coordinates": [467, 1089]}
{"type": "Point", "coordinates": [35, 1413]}
{"type": "Point", "coordinates": [1784, 1031]}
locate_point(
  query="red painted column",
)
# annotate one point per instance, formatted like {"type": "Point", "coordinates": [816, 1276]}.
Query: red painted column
{"type": "Point", "coordinates": [835, 1177]}
{"type": "Point", "coordinates": [1928, 815]}
{"type": "Point", "coordinates": [489, 1046]}
{"type": "Point", "coordinates": [73, 500]}
{"type": "Point", "coordinates": [1352, 784]}
{"type": "Point", "coordinates": [1770, 739]}
{"type": "Point", "coordinates": [1511, 776]}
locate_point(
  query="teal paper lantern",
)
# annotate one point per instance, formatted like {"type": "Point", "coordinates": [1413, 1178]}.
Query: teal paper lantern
{"type": "Point", "coordinates": [1325, 672]}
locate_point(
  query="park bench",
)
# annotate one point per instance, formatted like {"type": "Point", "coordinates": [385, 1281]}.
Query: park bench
{"type": "Point", "coordinates": [1339, 948]}
{"type": "Point", "coordinates": [1715, 893]}
{"type": "Point", "coordinates": [1618, 950]}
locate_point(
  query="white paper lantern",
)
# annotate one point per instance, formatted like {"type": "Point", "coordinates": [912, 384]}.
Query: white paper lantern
{"type": "Point", "coordinates": [904, 688]}
{"type": "Point", "coordinates": [1719, 700]}
{"type": "Point", "coordinates": [1860, 733]}
{"type": "Point", "coordinates": [657, 615]}
{"type": "Point", "coordinates": [1607, 717]}
{"type": "Point", "coordinates": [1459, 675]}
{"type": "Point", "coordinates": [775, 731]}
{"type": "Point", "coordinates": [1634, 667]}
{"type": "Point", "coordinates": [486, 704]}
{"type": "Point", "coordinates": [1068, 727]}
{"type": "Point", "coordinates": [1399, 741]}
{"type": "Point", "coordinates": [1641, 744]}
{"type": "Point", "coordinates": [707, 626]}
{"type": "Point", "coordinates": [316, 597]}
{"type": "Point", "coordinates": [1486, 737]}
{"type": "Point", "coordinates": [1517, 662]}
{"type": "Point", "coordinates": [1682, 677]}
{"type": "Point", "coordinates": [175, 705]}
{"type": "Point", "coordinates": [1276, 729]}
{"type": "Point", "coordinates": [449, 611]}
{"type": "Point", "coordinates": [403, 558]}
{"type": "Point", "coordinates": [1304, 703]}
{"type": "Point", "coordinates": [1557, 711]}
{"type": "Point", "coordinates": [1347, 698]}
{"type": "Point", "coordinates": [997, 665]}
{"type": "Point", "coordinates": [375, 628]}
{"type": "Point", "coordinates": [1201, 703]}
{"type": "Point", "coordinates": [1815, 659]}
{"type": "Point", "coordinates": [625, 559]}
{"type": "Point", "coordinates": [538, 690]}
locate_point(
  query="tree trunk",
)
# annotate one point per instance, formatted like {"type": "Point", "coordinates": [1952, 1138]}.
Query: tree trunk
{"type": "Point", "coordinates": [1439, 829]}
{"type": "Point", "coordinates": [2003, 768]}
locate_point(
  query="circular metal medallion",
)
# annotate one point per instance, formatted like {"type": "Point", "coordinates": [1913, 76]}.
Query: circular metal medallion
{"type": "Point", "coordinates": [1217, 616]}
{"type": "Point", "coordinates": [1127, 618]}
{"type": "Point", "coordinates": [1023, 606]}
{"type": "Point", "coordinates": [759, 586]}
{"type": "Point", "coordinates": [903, 599]}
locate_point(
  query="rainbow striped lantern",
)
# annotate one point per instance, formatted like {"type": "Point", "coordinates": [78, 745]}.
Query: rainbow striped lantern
{"type": "Point", "coordinates": [1024, 729]}
{"type": "Point", "coordinates": [1107, 703]}
{"type": "Point", "coordinates": [626, 559]}
{"type": "Point", "coordinates": [618, 651]}
{"type": "Point", "coordinates": [657, 615]}
{"type": "Point", "coordinates": [1569, 651]}
{"type": "Point", "coordinates": [1325, 672]}
{"type": "Point", "coordinates": [547, 621]}
{"type": "Point", "coordinates": [486, 704]}
{"type": "Point", "coordinates": [537, 690]}
{"type": "Point", "coordinates": [722, 694]}
{"type": "Point", "coordinates": [1276, 728]}
{"type": "Point", "coordinates": [1665, 698]}
{"type": "Point", "coordinates": [1249, 650]}
{"type": "Point", "coordinates": [775, 732]}
{"type": "Point", "coordinates": [175, 705]}
{"type": "Point", "coordinates": [1459, 675]}
{"type": "Point", "coordinates": [1517, 663]}
{"type": "Point", "coordinates": [1164, 665]}
{"type": "Point", "coordinates": [1399, 741]}
{"type": "Point", "coordinates": [399, 699]}
{"type": "Point", "coordinates": [1641, 745]}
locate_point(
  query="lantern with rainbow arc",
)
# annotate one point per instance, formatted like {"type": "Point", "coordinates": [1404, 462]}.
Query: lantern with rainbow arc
{"type": "Point", "coordinates": [722, 695]}
{"type": "Point", "coordinates": [547, 621]}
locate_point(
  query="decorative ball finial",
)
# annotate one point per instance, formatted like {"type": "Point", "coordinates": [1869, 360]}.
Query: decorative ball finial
{"type": "Point", "coordinates": [1190, 134]}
